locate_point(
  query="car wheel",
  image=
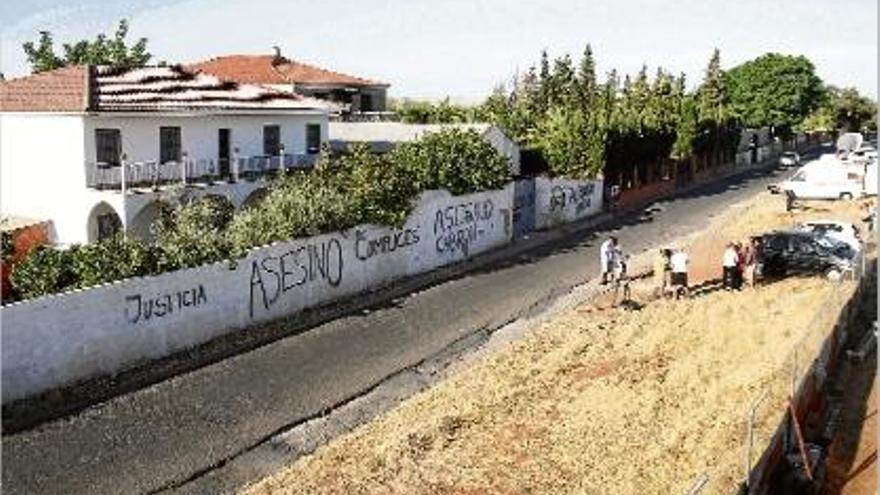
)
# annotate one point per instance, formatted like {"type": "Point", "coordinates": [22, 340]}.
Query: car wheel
{"type": "Point", "coordinates": [846, 196]}
{"type": "Point", "coordinates": [833, 274]}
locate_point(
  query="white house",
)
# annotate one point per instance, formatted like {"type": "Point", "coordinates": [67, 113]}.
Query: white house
{"type": "Point", "coordinates": [95, 149]}
{"type": "Point", "coordinates": [383, 136]}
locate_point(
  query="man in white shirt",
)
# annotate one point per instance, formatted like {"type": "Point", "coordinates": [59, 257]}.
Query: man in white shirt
{"type": "Point", "coordinates": [679, 262]}
{"type": "Point", "coordinates": [728, 264]}
{"type": "Point", "coordinates": [606, 257]}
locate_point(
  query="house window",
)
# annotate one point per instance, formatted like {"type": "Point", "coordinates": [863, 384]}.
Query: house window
{"type": "Point", "coordinates": [169, 144]}
{"type": "Point", "coordinates": [108, 146]}
{"type": "Point", "coordinates": [313, 138]}
{"type": "Point", "coordinates": [271, 140]}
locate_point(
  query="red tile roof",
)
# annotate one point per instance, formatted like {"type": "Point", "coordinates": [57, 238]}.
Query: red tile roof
{"type": "Point", "coordinates": [142, 89]}
{"type": "Point", "coordinates": [58, 90]}
{"type": "Point", "coordinates": [264, 69]}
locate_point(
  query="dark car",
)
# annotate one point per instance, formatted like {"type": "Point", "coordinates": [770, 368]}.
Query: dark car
{"type": "Point", "coordinates": [785, 252]}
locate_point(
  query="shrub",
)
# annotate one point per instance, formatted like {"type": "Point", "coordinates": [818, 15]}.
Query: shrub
{"type": "Point", "coordinates": [192, 234]}
{"type": "Point", "coordinates": [44, 271]}
{"type": "Point", "coordinates": [454, 159]}
{"type": "Point", "coordinates": [115, 258]}
{"type": "Point", "coordinates": [297, 205]}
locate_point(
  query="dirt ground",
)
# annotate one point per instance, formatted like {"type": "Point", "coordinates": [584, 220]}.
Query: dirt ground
{"type": "Point", "coordinates": [599, 399]}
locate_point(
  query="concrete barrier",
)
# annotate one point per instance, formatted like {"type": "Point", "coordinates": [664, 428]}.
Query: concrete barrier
{"type": "Point", "coordinates": [559, 201]}
{"type": "Point", "coordinates": [53, 341]}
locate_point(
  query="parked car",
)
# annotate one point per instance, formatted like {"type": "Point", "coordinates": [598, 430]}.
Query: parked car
{"type": "Point", "coordinates": [789, 159]}
{"type": "Point", "coordinates": [785, 252]}
{"type": "Point", "coordinates": [824, 181]}
{"type": "Point", "coordinates": [838, 231]}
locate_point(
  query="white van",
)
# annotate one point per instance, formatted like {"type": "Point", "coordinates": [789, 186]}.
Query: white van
{"type": "Point", "coordinates": [824, 182]}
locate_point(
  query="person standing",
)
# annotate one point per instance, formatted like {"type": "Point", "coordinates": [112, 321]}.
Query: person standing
{"type": "Point", "coordinates": [739, 274]}
{"type": "Point", "coordinates": [728, 265]}
{"type": "Point", "coordinates": [661, 272]}
{"type": "Point", "coordinates": [679, 263]}
{"type": "Point", "coordinates": [751, 261]}
{"type": "Point", "coordinates": [606, 257]}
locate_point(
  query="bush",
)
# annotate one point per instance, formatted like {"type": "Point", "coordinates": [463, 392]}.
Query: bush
{"type": "Point", "coordinates": [44, 271]}
{"type": "Point", "coordinates": [297, 205]}
{"type": "Point", "coordinates": [115, 258]}
{"type": "Point", "coordinates": [454, 159]}
{"type": "Point", "coordinates": [193, 233]}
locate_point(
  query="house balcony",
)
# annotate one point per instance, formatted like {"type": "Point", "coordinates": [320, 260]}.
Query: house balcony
{"type": "Point", "coordinates": [152, 174]}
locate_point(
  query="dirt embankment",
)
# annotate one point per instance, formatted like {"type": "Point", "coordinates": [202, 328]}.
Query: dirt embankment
{"type": "Point", "coordinates": [598, 399]}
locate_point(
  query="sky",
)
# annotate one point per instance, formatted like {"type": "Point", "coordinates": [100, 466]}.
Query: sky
{"type": "Point", "coordinates": [464, 48]}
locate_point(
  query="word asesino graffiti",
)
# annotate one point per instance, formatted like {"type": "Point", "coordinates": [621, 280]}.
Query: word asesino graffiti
{"type": "Point", "coordinates": [138, 307]}
{"type": "Point", "coordinates": [580, 196]}
{"type": "Point", "coordinates": [366, 247]}
{"type": "Point", "coordinates": [456, 227]}
{"type": "Point", "coordinates": [275, 275]}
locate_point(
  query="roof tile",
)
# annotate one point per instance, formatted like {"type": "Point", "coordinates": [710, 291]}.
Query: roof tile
{"type": "Point", "coordinates": [58, 90]}
{"type": "Point", "coordinates": [263, 69]}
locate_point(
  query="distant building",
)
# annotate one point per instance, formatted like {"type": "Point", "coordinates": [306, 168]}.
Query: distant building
{"type": "Point", "coordinates": [95, 150]}
{"type": "Point", "coordinates": [382, 137]}
{"type": "Point", "coordinates": [353, 95]}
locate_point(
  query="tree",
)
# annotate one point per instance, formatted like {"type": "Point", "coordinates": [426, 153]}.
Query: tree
{"type": "Point", "coordinates": [586, 78]}
{"type": "Point", "coordinates": [712, 98]}
{"type": "Point", "coordinates": [572, 143]}
{"type": "Point", "coordinates": [42, 55]}
{"type": "Point", "coordinates": [100, 51]}
{"type": "Point", "coordinates": [852, 112]}
{"type": "Point", "coordinates": [774, 89]}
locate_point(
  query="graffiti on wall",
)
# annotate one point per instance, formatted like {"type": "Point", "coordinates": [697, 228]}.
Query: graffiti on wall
{"type": "Point", "coordinates": [141, 308]}
{"type": "Point", "coordinates": [365, 247]}
{"type": "Point", "coordinates": [456, 227]}
{"type": "Point", "coordinates": [272, 276]}
{"type": "Point", "coordinates": [580, 196]}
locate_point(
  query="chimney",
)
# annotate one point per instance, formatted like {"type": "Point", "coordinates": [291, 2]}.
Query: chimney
{"type": "Point", "coordinates": [277, 59]}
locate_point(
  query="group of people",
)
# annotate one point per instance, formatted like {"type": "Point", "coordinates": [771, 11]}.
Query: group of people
{"type": "Point", "coordinates": [671, 272]}
{"type": "Point", "coordinates": [740, 264]}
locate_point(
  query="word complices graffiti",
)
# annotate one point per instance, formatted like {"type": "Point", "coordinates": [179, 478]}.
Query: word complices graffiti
{"type": "Point", "coordinates": [140, 308]}
{"type": "Point", "coordinates": [580, 196]}
{"type": "Point", "coordinates": [456, 227]}
{"type": "Point", "coordinates": [274, 275]}
{"type": "Point", "coordinates": [365, 247]}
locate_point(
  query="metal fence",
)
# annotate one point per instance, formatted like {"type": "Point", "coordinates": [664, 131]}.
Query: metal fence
{"type": "Point", "coordinates": [205, 170]}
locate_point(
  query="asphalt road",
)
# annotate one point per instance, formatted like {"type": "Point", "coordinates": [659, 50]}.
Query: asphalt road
{"type": "Point", "coordinates": [174, 430]}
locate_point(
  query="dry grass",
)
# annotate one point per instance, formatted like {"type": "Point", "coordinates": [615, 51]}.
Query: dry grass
{"type": "Point", "coordinates": [594, 401]}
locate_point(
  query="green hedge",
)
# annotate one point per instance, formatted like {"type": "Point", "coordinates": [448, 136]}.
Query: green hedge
{"type": "Point", "coordinates": [341, 192]}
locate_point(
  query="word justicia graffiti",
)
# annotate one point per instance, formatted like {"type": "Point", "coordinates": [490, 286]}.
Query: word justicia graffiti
{"type": "Point", "coordinates": [365, 247]}
{"type": "Point", "coordinates": [457, 226]}
{"type": "Point", "coordinates": [138, 307]}
{"type": "Point", "coordinates": [275, 275]}
{"type": "Point", "coordinates": [581, 196]}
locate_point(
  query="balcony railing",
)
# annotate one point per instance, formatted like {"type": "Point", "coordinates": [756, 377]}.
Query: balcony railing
{"type": "Point", "coordinates": [202, 171]}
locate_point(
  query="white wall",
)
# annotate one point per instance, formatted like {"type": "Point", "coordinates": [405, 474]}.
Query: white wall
{"type": "Point", "coordinates": [42, 172]}
{"type": "Point", "coordinates": [57, 340]}
{"type": "Point", "coordinates": [559, 201]}
{"type": "Point", "coordinates": [505, 146]}
{"type": "Point", "coordinates": [140, 133]}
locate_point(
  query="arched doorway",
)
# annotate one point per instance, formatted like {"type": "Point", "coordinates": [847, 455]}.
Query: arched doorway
{"type": "Point", "coordinates": [142, 225]}
{"type": "Point", "coordinates": [255, 198]}
{"type": "Point", "coordinates": [103, 222]}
